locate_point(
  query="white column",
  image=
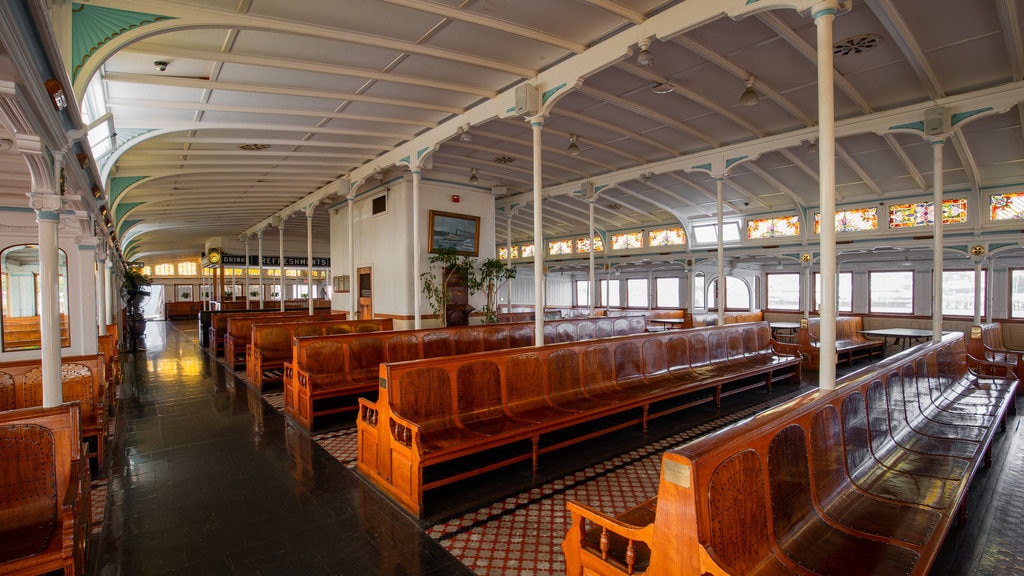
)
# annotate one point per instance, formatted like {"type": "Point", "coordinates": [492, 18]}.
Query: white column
{"type": "Point", "coordinates": [259, 256]}
{"type": "Point", "coordinates": [537, 123]}
{"type": "Point", "coordinates": [591, 291]}
{"type": "Point", "coordinates": [937, 236]}
{"type": "Point", "coordinates": [824, 13]}
{"type": "Point", "coordinates": [353, 278]}
{"type": "Point", "coordinates": [417, 250]}
{"type": "Point", "coordinates": [508, 249]}
{"type": "Point", "coordinates": [246, 269]}
{"type": "Point", "coordinates": [280, 253]}
{"type": "Point", "coordinates": [978, 295]}
{"type": "Point", "coordinates": [719, 184]}
{"type": "Point", "coordinates": [309, 257]}
{"type": "Point", "coordinates": [108, 284]}
{"type": "Point", "coordinates": [47, 207]}
{"type": "Point", "coordinates": [100, 272]}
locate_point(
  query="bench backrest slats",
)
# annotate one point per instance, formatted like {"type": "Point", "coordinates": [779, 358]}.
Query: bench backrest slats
{"type": "Point", "coordinates": [524, 382]}
{"type": "Point", "coordinates": [629, 365]}
{"type": "Point", "coordinates": [790, 482]}
{"type": "Point", "coordinates": [478, 390]}
{"type": "Point", "coordinates": [739, 530]}
{"type": "Point", "coordinates": [437, 344]}
{"type": "Point", "coordinates": [8, 392]}
{"type": "Point", "coordinates": [598, 370]}
{"type": "Point", "coordinates": [364, 358]}
{"type": "Point", "coordinates": [426, 398]}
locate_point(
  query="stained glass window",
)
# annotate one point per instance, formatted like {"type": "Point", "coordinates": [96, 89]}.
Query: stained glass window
{"type": "Point", "coordinates": [1007, 206]}
{"type": "Point", "coordinates": [773, 227]}
{"type": "Point", "coordinates": [856, 220]}
{"type": "Point", "coordinates": [583, 244]}
{"type": "Point", "coordinates": [186, 268]}
{"type": "Point", "coordinates": [502, 253]}
{"type": "Point", "coordinates": [920, 213]}
{"type": "Point", "coordinates": [667, 237]}
{"type": "Point", "coordinates": [527, 251]}
{"type": "Point", "coordinates": [556, 247]}
{"type": "Point", "coordinates": [164, 270]}
{"type": "Point", "coordinates": [627, 240]}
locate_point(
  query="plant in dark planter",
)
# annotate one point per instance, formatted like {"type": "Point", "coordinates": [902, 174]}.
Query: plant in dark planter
{"type": "Point", "coordinates": [133, 292]}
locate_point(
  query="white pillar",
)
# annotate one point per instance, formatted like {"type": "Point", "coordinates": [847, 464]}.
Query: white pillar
{"type": "Point", "coordinates": [937, 236]}
{"type": "Point", "coordinates": [508, 249]}
{"type": "Point", "coordinates": [978, 295]}
{"type": "Point", "coordinates": [719, 184]}
{"type": "Point", "coordinates": [259, 256]}
{"type": "Point", "coordinates": [417, 250]}
{"type": "Point", "coordinates": [280, 250]}
{"type": "Point", "coordinates": [246, 269]}
{"type": "Point", "coordinates": [99, 273]}
{"type": "Point", "coordinates": [108, 283]}
{"type": "Point", "coordinates": [47, 207]}
{"type": "Point", "coordinates": [824, 13]}
{"type": "Point", "coordinates": [537, 123]}
{"type": "Point", "coordinates": [353, 278]}
{"type": "Point", "coordinates": [591, 301]}
{"type": "Point", "coordinates": [83, 333]}
{"type": "Point", "coordinates": [309, 257]}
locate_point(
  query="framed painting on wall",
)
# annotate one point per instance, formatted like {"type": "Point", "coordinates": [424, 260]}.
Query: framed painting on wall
{"type": "Point", "coordinates": [458, 231]}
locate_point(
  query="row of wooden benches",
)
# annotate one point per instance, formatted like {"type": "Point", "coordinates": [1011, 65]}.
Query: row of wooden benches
{"type": "Point", "coordinates": [865, 479]}
{"type": "Point", "coordinates": [440, 410]}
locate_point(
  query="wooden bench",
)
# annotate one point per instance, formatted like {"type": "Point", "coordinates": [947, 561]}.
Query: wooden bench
{"type": "Point", "coordinates": [500, 405]}
{"type": "Point", "coordinates": [44, 492]}
{"type": "Point", "coordinates": [217, 332]}
{"type": "Point", "coordinates": [270, 344]}
{"type": "Point", "coordinates": [865, 479]}
{"type": "Point", "coordinates": [327, 373]}
{"type": "Point", "coordinates": [850, 343]}
{"type": "Point", "coordinates": [83, 380]}
{"type": "Point", "coordinates": [22, 333]}
{"type": "Point", "coordinates": [205, 317]}
{"type": "Point", "coordinates": [238, 332]}
{"type": "Point", "coordinates": [985, 347]}
{"type": "Point", "coordinates": [112, 368]}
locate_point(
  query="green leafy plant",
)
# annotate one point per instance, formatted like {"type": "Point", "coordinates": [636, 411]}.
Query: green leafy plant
{"type": "Point", "coordinates": [254, 293]}
{"type": "Point", "coordinates": [186, 295]}
{"type": "Point", "coordinates": [493, 274]}
{"type": "Point", "coordinates": [444, 265]}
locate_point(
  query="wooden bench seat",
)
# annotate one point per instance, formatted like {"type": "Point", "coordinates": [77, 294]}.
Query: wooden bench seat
{"type": "Point", "coordinates": [230, 331]}
{"type": "Point", "coordinates": [850, 343]}
{"type": "Point", "coordinates": [44, 491]}
{"type": "Point", "coordinates": [985, 348]}
{"type": "Point", "coordinates": [327, 373]}
{"type": "Point", "coordinates": [83, 380]}
{"type": "Point", "coordinates": [434, 411]}
{"type": "Point", "coordinates": [865, 479]}
{"type": "Point", "coordinates": [270, 344]}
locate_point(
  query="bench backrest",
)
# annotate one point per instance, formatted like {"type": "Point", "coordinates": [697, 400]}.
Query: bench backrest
{"type": "Point", "coordinates": [746, 484]}
{"type": "Point", "coordinates": [274, 338]}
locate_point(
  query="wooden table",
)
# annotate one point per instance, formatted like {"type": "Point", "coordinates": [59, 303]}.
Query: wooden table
{"type": "Point", "coordinates": [784, 331]}
{"type": "Point", "coordinates": [901, 337]}
{"type": "Point", "coordinates": [669, 323]}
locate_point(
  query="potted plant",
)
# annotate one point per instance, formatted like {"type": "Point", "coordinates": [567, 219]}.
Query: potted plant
{"type": "Point", "coordinates": [444, 266]}
{"type": "Point", "coordinates": [133, 292]}
{"type": "Point", "coordinates": [254, 294]}
{"type": "Point", "coordinates": [494, 274]}
{"type": "Point", "coordinates": [228, 294]}
{"type": "Point", "coordinates": [186, 295]}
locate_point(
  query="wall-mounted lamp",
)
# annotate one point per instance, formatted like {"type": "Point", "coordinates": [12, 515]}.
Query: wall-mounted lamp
{"type": "Point", "coordinates": [83, 160]}
{"type": "Point", "coordinates": [56, 92]}
{"type": "Point", "coordinates": [473, 179]}
{"type": "Point", "coordinates": [161, 65]}
{"type": "Point", "coordinates": [464, 135]}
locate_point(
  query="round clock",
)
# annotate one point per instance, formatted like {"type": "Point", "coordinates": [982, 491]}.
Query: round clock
{"type": "Point", "coordinates": [213, 256]}
{"type": "Point", "coordinates": [977, 250]}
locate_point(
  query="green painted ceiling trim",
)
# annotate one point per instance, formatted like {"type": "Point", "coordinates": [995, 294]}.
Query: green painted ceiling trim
{"type": "Point", "coordinates": [118, 184]}
{"type": "Point", "coordinates": [993, 247]}
{"type": "Point", "coordinates": [94, 26]}
{"type": "Point", "coordinates": [702, 167]}
{"type": "Point", "coordinates": [122, 210]}
{"type": "Point", "coordinates": [549, 93]}
{"type": "Point", "coordinates": [601, 187]}
{"type": "Point", "coordinates": [961, 116]}
{"type": "Point", "coordinates": [732, 161]}
{"type": "Point", "coordinates": [422, 152]}
{"type": "Point", "coordinates": [126, 225]}
{"type": "Point", "coordinates": [919, 126]}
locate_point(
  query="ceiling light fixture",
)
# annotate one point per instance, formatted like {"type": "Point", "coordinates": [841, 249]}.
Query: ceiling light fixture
{"type": "Point", "coordinates": [644, 59]}
{"type": "Point", "coordinates": [379, 174]}
{"type": "Point", "coordinates": [663, 88]}
{"type": "Point", "coordinates": [750, 96]}
{"type": "Point", "coordinates": [812, 147]}
{"type": "Point", "coordinates": [573, 149]}
{"type": "Point", "coordinates": [161, 65]}
{"type": "Point", "coordinates": [473, 178]}
{"type": "Point", "coordinates": [464, 135]}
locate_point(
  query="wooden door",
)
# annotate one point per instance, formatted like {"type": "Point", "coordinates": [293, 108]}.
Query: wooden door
{"type": "Point", "coordinates": [365, 284]}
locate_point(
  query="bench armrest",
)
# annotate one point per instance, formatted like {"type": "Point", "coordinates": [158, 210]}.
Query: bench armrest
{"type": "Point", "coordinates": [990, 368]}
{"type": "Point", "coordinates": [367, 412]}
{"type": "Point", "coordinates": [785, 348]}
{"type": "Point", "coordinates": [577, 533]}
{"type": "Point", "coordinates": [405, 432]}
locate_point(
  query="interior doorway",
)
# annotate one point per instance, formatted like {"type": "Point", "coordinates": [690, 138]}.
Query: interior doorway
{"type": "Point", "coordinates": [365, 276]}
{"type": "Point", "coordinates": [153, 305]}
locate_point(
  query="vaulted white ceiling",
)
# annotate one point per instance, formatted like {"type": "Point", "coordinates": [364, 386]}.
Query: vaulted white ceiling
{"type": "Point", "coordinates": [264, 104]}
